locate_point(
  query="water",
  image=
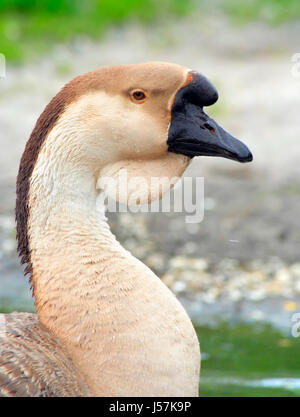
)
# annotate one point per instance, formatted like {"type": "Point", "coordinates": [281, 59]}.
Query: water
{"type": "Point", "coordinates": [258, 387]}
{"type": "Point", "coordinates": [248, 360]}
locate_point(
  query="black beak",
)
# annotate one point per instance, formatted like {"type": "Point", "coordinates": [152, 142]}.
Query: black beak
{"type": "Point", "coordinates": [192, 132]}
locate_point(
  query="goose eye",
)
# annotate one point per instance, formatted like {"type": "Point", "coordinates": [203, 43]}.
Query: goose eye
{"type": "Point", "coordinates": [139, 96]}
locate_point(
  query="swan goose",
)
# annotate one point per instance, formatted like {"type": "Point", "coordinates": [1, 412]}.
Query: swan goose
{"type": "Point", "coordinates": [105, 325]}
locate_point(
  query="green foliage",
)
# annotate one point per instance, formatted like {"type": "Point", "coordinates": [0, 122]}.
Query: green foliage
{"type": "Point", "coordinates": [271, 11]}
{"type": "Point", "coordinates": [31, 27]}
{"type": "Point", "coordinates": [28, 27]}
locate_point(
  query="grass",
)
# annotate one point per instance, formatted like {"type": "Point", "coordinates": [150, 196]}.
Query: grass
{"type": "Point", "coordinates": [29, 28]}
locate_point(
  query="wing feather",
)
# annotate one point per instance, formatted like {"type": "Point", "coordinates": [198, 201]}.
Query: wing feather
{"type": "Point", "coordinates": [32, 362]}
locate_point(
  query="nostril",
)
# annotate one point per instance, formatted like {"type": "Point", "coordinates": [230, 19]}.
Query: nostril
{"type": "Point", "coordinates": [209, 127]}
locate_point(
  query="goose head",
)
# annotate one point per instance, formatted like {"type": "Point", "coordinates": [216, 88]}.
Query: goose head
{"type": "Point", "coordinates": [147, 120]}
{"type": "Point", "coordinates": [135, 121]}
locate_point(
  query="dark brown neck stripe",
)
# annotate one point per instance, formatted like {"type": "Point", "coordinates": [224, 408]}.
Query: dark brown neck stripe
{"type": "Point", "coordinates": [75, 88]}
{"type": "Point", "coordinates": [43, 125]}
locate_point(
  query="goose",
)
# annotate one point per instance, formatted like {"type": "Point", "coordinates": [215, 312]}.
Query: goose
{"type": "Point", "coordinates": [106, 325]}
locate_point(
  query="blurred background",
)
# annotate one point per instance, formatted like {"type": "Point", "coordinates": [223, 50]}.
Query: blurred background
{"type": "Point", "coordinates": [238, 271]}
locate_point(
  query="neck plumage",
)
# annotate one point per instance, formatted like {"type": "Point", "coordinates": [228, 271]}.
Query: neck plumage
{"type": "Point", "coordinates": [124, 329]}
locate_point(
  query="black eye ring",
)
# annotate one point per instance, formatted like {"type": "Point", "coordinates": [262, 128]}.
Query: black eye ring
{"type": "Point", "coordinates": [139, 96]}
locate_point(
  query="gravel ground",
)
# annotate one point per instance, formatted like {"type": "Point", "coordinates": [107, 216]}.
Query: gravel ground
{"type": "Point", "coordinates": [241, 261]}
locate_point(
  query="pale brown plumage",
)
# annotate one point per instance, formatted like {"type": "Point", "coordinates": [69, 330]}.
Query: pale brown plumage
{"type": "Point", "coordinates": [33, 362]}
{"type": "Point", "coordinates": [105, 324]}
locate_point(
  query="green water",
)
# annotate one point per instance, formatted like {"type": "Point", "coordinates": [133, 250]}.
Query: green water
{"type": "Point", "coordinates": [237, 360]}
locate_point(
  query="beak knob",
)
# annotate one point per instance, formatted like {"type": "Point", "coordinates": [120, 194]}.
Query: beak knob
{"type": "Point", "coordinates": [192, 132]}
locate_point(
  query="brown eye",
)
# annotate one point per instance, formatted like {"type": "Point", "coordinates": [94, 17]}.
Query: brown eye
{"type": "Point", "coordinates": [139, 96]}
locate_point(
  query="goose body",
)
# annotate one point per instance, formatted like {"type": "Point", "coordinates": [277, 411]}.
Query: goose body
{"type": "Point", "coordinates": [32, 361]}
{"type": "Point", "coordinates": [105, 325]}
